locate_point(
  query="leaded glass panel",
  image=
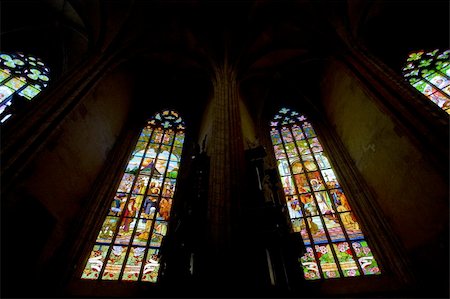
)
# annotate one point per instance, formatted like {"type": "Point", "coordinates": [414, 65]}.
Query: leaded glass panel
{"type": "Point", "coordinates": [138, 216]}
{"type": "Point", "coordinates": [316, 203]}
{"type": "Point", "coordinates": [429, 73]}
{"type": "Point", "coordinates": [25, 75]}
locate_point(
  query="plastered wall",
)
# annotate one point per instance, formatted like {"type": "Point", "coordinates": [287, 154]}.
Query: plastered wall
{"type": "Point", "coordinates": [412, 194]}
{"type": "Point", "coordinates": [61, 176]}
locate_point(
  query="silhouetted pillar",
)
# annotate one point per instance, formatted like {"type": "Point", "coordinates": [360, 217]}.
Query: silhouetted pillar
{"type": "Point", "coordinates": [226, 152]}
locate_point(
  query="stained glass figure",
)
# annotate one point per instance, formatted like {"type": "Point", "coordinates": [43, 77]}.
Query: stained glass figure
{"type": "Point", "coordinates": [317, 205]}
{"type": "Point", "coordinates": [127, 246]}
{"type": "Point", "coordinates": [20, 74]}
{"type": "Point", "coordinates": [429, 73]}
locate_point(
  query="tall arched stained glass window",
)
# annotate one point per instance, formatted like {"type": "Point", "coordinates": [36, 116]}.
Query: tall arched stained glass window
{"type": "Point", "coordinates": [128, 244]}
{"type": "Point", "coordinates": [25, 75]}
{"type": "Point", "coordinates": [429, 73]}
{"type": "Point", "coordinates": [317, 205]}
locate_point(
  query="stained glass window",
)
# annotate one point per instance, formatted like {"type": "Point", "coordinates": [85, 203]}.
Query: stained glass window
{"type": "Point", "coordinates": [128, 244]}
{"type": "Point", "coordinates": [429, 73]}
{"type": "Point", "coordinates": [317, 204]}
{"type": "Point", "coordinates": [25, 75]}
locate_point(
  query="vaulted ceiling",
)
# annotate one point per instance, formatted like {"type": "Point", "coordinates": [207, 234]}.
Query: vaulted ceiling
{"type": "Point", "coordinates": [182, 41]}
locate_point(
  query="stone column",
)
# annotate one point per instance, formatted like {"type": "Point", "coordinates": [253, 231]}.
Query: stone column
{"type": "Point", "coordinates": [226, 152]}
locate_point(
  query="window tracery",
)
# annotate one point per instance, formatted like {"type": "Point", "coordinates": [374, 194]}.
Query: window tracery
{"type": "Point", "coordinates": [317, 204]}
{"type": "Point", "coordinates": [24, 75]}
{"type": "Point", "coordinates": [128, 244]}
{"type": "Point", "coordinates": [429, 73]}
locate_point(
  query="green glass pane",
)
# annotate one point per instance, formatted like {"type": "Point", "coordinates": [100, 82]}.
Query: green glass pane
{"type": "Point", "coordinates": [366, 258]}
{"type": "Point", "coordinates": [29, 92]}
{"type": "Point", "coordinates": [133, 264]}
{"type": "Point", "coordinates": [10, 63]}
{"type": "Point", "coordinates": [95, 262]}
{"type": "Point", "coordinates": [291, 150]}
{"type": "Point", "coordinates": [5, 57]}
{"type": "Point", "coordinates": [327, 262]}
{"type": "Point", "coordinates": [424, 87]}
{"type": "Point", "coordinates": [15, 83]}
{"type": "Point", "coordinates": [151, 267]}
{"type": "Point", "coordinates": [3, 75]}
{"type": "Point", "coordinates": [172, 170]}
{"type": "Point", "coordinates": [114, 264]}
{"type": "Point", "coordinates": [444, 67]}
{"type": "Point", "coordinates": [106, 233]}
{"type": "Point", "coordinates": [303, 147]}
{"type": "Point", "coordinates": [179, 139]}
{"type": "Point", "coordinates": [415, 56]}
{"type": "Point", "coordinates": [346, 260]}
{"type": "Point", "coordinates": [18, 62]}
{"type": "Point", "coordinates": [296, 225]}
{"type": "Point", "coordinates": [310, 268]}
{"type": "Point", "coordinates": [428, 73]}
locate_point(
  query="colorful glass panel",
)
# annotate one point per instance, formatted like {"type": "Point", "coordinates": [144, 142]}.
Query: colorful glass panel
{"type": "Point", "coordinates": [316, 203]}
{"type": "Point", "coordinates": [21, 74]}
{"type": "Point", "coordinates": [429, 73]}
{"type": "Point", "coordinates": [138, 216]}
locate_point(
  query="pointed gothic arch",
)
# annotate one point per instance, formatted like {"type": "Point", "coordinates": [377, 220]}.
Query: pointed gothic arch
{"type": "Point", "coordinates": [23, 76]}
{"type": "Point", "coordinates": [429, 73]}
{"type": "Point", "coordinates": [317, 204]}
{"type": "Point", "coordinates": [128, 244]}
